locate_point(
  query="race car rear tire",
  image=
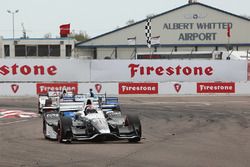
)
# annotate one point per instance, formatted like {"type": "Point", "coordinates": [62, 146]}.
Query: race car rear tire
{"type": "Point", "coordinates": [135, 123]}
{"type": "Point", "coordinates": [64, 133]}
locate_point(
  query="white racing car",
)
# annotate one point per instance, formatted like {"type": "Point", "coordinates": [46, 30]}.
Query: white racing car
{"type": "Point", "coordinates": [78, 120]}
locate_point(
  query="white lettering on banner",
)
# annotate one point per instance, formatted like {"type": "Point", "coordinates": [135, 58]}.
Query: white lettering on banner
{"type": "Point", "coordinates": [216, 87]}
{"type": "Point", "coordinates": [138, 88]}
{"type": "Point", "coordinates": [26, 70]}
{"type": "Point", "coordinates": [178, 70]}
{"type": "Point", "coordinates": [219, 88]}
{"type": "Point", "coordinates": [45, 87]}
{"type": "Point", "coordinates": [56, 88]}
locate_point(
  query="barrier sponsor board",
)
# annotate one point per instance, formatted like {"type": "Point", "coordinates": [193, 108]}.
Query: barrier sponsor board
{"type": "Point", "coordinates": [248, 71]}
{"type": "Point", "coordinates": [217, 87]}
{"type": "Point", "coordinates": [138, 88]}
{"type": "Point", "coordinates": [162, 88]}
{"type": "Point", "coordinates": [17, 89]}
{"type": "Point", "coordinates": [42, 88]}
{"type": "Point", "coordinates": [77, 70]}
{"type": "Point", "coordinates": [168, 70]}
{"type": "Point", "coordinates": [52, 70]}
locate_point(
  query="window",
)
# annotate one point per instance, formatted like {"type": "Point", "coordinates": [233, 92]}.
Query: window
{"type": "Point", "coordinates": [68, 50]}
{"type": "Point", "coordinates": [34, 50]}
{"type": "Point", "coordinates": [20, 50]}
{"type": "Point", "coordinates": [31, 50]}
{"type": "Point", "coordinates": [43, 50]}
{"type": "Point", "coordinates": [6, 50]}
{"type": "Point", "coordinates": [54, 50]}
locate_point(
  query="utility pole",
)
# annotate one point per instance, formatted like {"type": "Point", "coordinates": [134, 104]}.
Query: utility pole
{"type": "Point", "coordinates": [13, 21]}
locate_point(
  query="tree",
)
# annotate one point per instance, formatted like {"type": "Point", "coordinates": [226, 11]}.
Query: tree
{"type": "Point", "coordinates": [81, 36]}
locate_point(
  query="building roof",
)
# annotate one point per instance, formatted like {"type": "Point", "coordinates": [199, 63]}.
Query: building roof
{"type": "Point", "coordinates": [189, 4]}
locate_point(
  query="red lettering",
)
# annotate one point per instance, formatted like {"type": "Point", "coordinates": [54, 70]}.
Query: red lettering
{"type": "Point", "coordinates": [4, 70]}
{"type": "Point", "coordinates": [187, 70]}
{"type": "Point", "coordinates": [25, 70]}
{"type": "Point", "coordinates": [133, 69]}
{"type": "Point", "coordinates": [178, 68]}
{"type": "Point", "coordinates": [52, 70]}
{"type": "Point", "coordinates": [209, 71]}
{"type": "Point", "coordinates": [159, 70]}
{"type": "Point", "coordinates": [149, 69]}
{"type": "Point", "coordinates": [14, 69]}
{"type": "Point", "coordinates": [170, 71]}
{"type": "Point", "coordinates": [197, 71]}
{"type": "Point", "coordinates": [142, 70]}
{"type": "Point", "coordinates": [39, 70]}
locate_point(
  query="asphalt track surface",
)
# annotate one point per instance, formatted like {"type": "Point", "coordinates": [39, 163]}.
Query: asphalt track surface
{"type": "Point", "coordinates": [178, 132]}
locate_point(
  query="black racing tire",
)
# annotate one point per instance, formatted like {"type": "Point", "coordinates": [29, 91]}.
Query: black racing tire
{"type": "Point", "coordinates": [39, 108]}
{"type": "Point", "coordinates": [135, 123]}
{"type": "Point", "coordinates": [44, 129]}
{"type": "Point", "coordinates": [64, 130]}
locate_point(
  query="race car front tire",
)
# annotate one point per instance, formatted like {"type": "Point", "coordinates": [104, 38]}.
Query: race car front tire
{"type": "Point", "coordinates": [135, 123]}
{"type": "Point", "coordinates": [64, 133]}
{"type": "Point", "coordinates": [44, 129]}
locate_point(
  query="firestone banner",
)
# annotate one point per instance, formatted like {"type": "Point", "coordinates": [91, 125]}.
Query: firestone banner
{"type": "Point", "coordinates": [169, 70]}
{"type": "Point", "coordinates": [77, 70]}
{"type": "Point", "coordinates": [35, 70]}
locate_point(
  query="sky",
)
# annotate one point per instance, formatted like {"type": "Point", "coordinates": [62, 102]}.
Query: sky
{"type": "Point", "coordinates": [94, 17]}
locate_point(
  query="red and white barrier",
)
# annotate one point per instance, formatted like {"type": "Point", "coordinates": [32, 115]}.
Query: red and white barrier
{"type": "Point", "coordinates": [4, 113]}
{"type": "Point", "coordinates": [130, 88]}
{"type": "Point", "coordinates": [29, 77]}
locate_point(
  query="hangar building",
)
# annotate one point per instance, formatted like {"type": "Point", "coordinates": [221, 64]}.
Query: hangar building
{"type": "Point", "coordinates": [192, 27]}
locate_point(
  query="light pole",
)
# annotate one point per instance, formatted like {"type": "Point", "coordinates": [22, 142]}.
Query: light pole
{"type": "Point", "coordinates": [13, 20]}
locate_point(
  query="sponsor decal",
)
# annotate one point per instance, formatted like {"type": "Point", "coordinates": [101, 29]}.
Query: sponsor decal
{"type": "Point", "coordinates": [98, 88]}
{"type": "Point", "coordinates": [4, 113]}
{"type": "Point", "coordinates": [42, 88]}
{"type": "Point", "coordinates": [138, 88]}
{"type": "Point", "coordinates": [177, 87]}
{"type": "Point", "coordinates": [137, 69]}
{"type": "Point", "coordinates": [14, 87]}
{"type": "Point", "coordinates": [28, 70]}
{"type": "Point", "coordinates": [217, 87]}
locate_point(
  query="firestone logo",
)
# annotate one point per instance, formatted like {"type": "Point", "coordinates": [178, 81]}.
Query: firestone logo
{"type": "Point", "coordinates": [137, 69]}
{"type": "Point", "coordinates": [138, 88]}
{"type": "Point", "coordinates": [216, 87]}
{"type": "Point", "coordinates": [42, 88]}
{"type": "Point", "coordinates": [27, 70]}
{"type": "Point", "coordinates": [14, 88]}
